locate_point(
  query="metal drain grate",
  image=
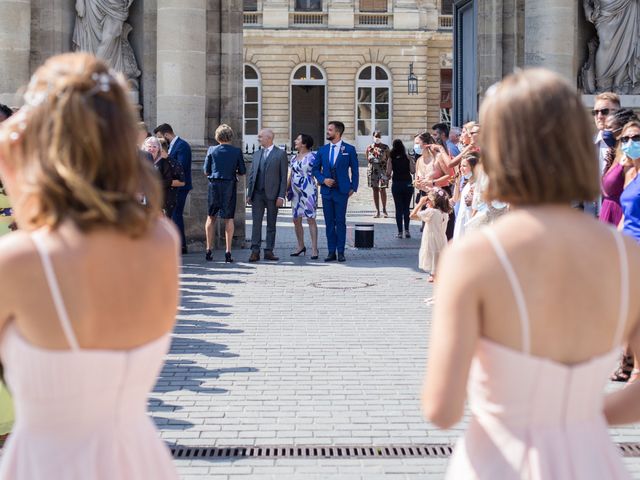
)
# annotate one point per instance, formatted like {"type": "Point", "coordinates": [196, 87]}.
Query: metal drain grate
{"type": "Point", "coordinates": [359, 451]}
{"type": "Point", "coordinates": [315, 451]}
{"type": "Point", "coordinates": [629, 449]}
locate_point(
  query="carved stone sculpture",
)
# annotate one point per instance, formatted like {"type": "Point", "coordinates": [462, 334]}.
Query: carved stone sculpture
{"type": "Point", "coordinates": [101, 29]}
{"type": "Point", "coordinates": [614, 56]}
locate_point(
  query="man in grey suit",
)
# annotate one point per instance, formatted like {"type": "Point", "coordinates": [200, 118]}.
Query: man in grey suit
{"type": "Point", "coordinates": [266, 191]}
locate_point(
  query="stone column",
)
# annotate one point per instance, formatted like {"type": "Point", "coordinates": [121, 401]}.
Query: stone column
{"type": "Point", "coordinates": [551, 38]}
{"type": "Point", "coordinates": [182, 67]}
{"type": "Point", "coordinates": [15, 45]}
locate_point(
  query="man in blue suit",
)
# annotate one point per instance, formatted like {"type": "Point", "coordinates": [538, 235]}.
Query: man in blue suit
{"type": "Point", "coordinates": [180, 151]}
{"type": "Point", "coordinates": [331, 169]}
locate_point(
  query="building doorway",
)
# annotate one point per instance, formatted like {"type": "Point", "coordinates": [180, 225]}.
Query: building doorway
{"type": "Point", "coordinates": [308, 104]}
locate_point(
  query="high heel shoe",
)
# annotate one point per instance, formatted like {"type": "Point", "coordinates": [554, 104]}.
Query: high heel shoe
{"type": "Point", "coordinates": [301, 252]}
{"type": "Point", "coordinates": [227, 257]}
{"type": "Point", "coordinates": [314, 257]}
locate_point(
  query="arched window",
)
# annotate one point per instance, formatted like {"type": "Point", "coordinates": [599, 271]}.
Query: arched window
{"type": "Point", "coordinates": [252, 108]}
{"type": "Point", "coordinates": [373, 105]}
{"type": "Point", "coordinates": [308, 102]}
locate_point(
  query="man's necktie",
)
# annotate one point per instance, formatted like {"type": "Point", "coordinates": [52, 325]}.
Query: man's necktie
{"type": "Point", "coordinates": [332, 159]}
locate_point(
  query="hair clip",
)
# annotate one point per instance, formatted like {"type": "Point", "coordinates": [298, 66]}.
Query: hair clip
{"type": "Point", "coordinates": [103, 83]}
{"type": "Point", "coordinates": [441, 193]}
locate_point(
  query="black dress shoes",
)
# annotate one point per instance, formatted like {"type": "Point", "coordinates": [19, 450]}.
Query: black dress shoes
{"type": "Point", "coordinates": [341, 257]}
{"type": "Point", "coordinates": [331, 258]}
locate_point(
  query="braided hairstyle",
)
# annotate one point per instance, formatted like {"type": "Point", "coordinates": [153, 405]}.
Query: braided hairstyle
{"type": "Point", "coordinates": [73, 147]}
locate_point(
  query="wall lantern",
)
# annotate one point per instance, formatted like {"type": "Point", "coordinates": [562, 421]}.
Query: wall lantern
{"type": "Point", "coordinates": [412, 81]}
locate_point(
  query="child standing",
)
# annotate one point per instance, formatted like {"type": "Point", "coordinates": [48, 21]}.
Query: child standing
{"type": "Point", "coordinates": [434, 238]}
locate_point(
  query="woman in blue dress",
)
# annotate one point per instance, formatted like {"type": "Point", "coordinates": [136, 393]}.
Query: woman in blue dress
{"type": "Point", "coordinates": [303, 193]}
{"type": "Point", "coordinates": [630, 198]}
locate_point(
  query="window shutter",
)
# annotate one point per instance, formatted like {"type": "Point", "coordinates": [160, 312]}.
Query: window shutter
{"type": "Point", "coordinates": [373, 5]}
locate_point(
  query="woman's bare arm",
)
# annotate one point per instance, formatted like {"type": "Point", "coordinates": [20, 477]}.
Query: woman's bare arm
{"type": "Point", "coordinates": [454, 334]}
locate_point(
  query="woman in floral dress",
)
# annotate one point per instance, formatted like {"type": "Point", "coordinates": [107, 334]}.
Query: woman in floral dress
{"type": "Point", "coordinates": [303, 194]}
{"type": "Point", "coordinates": [377, 154]}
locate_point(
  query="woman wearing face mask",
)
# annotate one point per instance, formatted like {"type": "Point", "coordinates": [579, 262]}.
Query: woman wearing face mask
{"type": "Point", "coordinates": [376, 155]}
{"type": "Point", "coordinates": [630, 198]}
{"type": "Point", "coordinates": [612, 183]}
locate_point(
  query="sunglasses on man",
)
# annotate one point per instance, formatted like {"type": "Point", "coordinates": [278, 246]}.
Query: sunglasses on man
{"type": "Point", "coordinates": [635, 138]}
{"type": "Point", "coordinates": [603, 111]}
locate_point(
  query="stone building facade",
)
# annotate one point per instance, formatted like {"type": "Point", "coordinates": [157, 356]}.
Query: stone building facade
{"type": "Point", "coordinates": [493, 37]}
{"type": "Point", "coordinates": [310, 61]}
{"type": "Point", "coordinates": [190, 56]}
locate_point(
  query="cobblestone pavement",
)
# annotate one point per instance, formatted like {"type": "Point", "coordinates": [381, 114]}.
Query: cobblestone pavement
{"type": "Point", "coordinates": [300, 352]}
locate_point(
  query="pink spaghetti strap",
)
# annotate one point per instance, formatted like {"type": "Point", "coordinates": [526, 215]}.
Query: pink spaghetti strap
{"type": "Point", "coordinates": [54, 288]}
{"type": "Point", "coordinates": [515, 287]}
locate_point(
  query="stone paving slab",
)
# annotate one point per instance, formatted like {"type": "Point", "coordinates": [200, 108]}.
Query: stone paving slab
{"type": "Point", "coordinates": [300, 352]}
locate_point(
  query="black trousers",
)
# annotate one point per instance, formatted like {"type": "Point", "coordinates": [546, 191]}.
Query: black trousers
{"type": "Point", "coordinates": [402, 192]}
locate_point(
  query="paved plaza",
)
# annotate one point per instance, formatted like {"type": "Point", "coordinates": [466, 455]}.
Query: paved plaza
{"type": "Point", "coordinates": [300, 352]}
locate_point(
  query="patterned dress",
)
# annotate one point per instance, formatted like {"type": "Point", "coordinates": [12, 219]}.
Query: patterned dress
{"type": "Point", "coordinates": [5, 212]}
{"type": "Point", "coordinates": [303, 186]}
{"type": "Point", "coordinates": [376, 155]}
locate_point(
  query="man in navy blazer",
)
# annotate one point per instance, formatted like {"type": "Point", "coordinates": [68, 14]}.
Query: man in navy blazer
{"type": "Point", "coordinates": [331, 169]}
{"type": "Point", "coordinates": [180, 151]}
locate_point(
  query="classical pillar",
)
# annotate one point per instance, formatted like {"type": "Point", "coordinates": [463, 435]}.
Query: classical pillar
{"type": "Point", "coordinates": [182, 67]}
{"type": "Point", "coordinates": [551, 36]}
{"type": "Point", "coordinates": [15, 45]}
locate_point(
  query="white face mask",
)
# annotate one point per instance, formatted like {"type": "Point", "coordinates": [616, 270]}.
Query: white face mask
{"type": "Point", "coordinates": [417, 149]}
{"type": "Point", "coordinates": [377, 140]}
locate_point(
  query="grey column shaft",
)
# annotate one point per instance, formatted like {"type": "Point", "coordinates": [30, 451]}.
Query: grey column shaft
{"type": "Point", "coordinates": [182, 64]}
{"type": "Point", "coordinates": [15, 46]}
{"type": "Point", "coordinates": [551, 36]}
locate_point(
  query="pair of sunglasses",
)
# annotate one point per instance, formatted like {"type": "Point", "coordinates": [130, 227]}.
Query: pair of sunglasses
{"type": "Point", "coordinates": [635, 138]}
{"type": "Point", "coordinates": [603, 111]}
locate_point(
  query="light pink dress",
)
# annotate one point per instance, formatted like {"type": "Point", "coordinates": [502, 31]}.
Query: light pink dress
{"type": "Point", "coordinates": [534, 418]}
{"type": "Point", "coordinates": [81, 414]}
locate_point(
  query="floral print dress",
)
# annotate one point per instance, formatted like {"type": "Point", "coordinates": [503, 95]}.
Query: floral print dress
{"type": "Point", "coordinates": [5, 212]}
{"type": "Point", "coordinates": [377, 154]}
{"type": "Point", "coordinates": [303, 185]}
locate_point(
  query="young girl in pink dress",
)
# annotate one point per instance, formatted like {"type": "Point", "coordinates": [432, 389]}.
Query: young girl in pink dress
{"type": "Point", "coordinates": [433, 209]}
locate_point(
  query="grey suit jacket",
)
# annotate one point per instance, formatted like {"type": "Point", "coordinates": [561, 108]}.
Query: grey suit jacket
{"type": "Point", "coordinates": [276, 171]}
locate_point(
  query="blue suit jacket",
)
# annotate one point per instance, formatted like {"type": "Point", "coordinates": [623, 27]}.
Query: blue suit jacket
{"type": "Point", "coordinates": [345, 159]}
{"type": "Point", "coordinates": [181, 152]}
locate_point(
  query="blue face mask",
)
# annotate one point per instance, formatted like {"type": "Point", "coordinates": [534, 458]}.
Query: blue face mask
{"type": "Point", "coordinates": [609, 138]}
{"type": "Point", "coordinates": [417, 149]}
{"type": "Point", "coordinates": [467, 176]}
{"type": "Point", "coordinates": [631, 149]}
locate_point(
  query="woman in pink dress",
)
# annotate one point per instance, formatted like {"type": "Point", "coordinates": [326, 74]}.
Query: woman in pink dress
{"type": "Point", "coordinates": [89, 282]}
{"type": "Point", "coordinates": [523, 328]}
{"type": "Point", "coordinates": [612, 183]}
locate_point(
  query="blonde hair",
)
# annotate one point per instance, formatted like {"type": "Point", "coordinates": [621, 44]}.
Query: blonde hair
{"type": "Point", "coordinates": [609, 96]}
{"type": "Point", "coordinates": [537, 145]}
{"type": "Point", "coordinates": [224, 133]}
{"type": "Point", "coordinates": [73, 148]}
{"type": "Point", "coordinates": [156, 142]}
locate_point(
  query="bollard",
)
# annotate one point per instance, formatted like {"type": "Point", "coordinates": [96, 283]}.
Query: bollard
{"type": "Point", "coordinates": [363, 235]}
